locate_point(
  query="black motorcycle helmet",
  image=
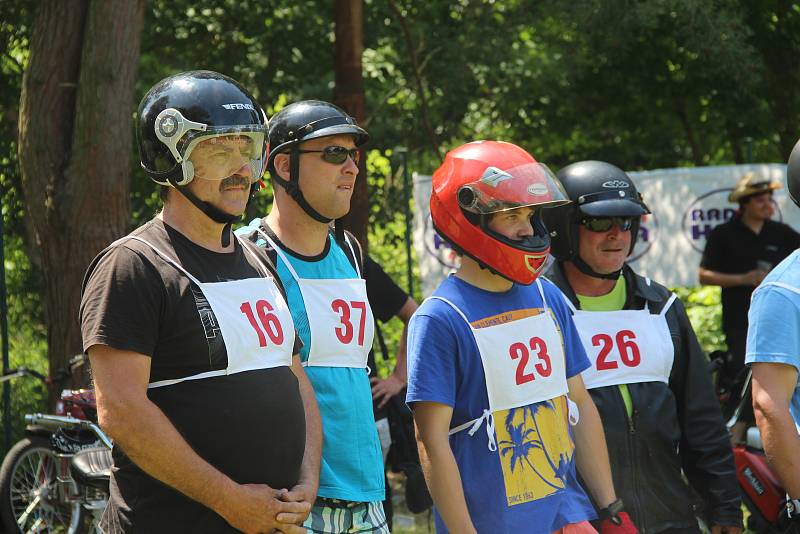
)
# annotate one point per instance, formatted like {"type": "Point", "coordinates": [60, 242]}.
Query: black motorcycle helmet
{"type": "Point", "coordinates": [793, 174]}
{"type": "Point", "coordinates": [596, 189]}
{"type": "Point", "coordinates": [184, 109]}
{"type": "Point", "coordinates": [301, 121]}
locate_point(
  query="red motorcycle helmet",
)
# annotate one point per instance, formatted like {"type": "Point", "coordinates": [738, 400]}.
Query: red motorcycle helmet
{"type": "Point", "coordinates": [485, 177]}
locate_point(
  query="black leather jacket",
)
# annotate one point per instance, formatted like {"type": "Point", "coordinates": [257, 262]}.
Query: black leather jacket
{"type": "Point", "coordinates": [675, 428]}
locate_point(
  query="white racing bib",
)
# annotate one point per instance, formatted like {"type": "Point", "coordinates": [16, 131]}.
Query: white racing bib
{"type": "Point", "coordinates": [253, 318]}
{"type": "Point", "coordinates": [339, 316]}
{"type": "Point", "coordinates": [625, 346]}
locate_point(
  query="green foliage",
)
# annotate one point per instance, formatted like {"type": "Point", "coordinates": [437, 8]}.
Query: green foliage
{"type": "Point", "coordinates": [704, 308]}
{"type": "Point", "coordinates": [641, 84]}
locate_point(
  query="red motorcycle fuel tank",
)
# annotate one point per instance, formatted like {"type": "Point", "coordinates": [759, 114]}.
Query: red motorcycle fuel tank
{"type": "Point", "coordinates": [758, 482]}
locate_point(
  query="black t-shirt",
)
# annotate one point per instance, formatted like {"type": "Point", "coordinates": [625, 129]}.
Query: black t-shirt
{"type": "Point", "coordinates": [386, 299]}
{"type": "Point", "coordinates": [733, 248]}
{"type": "Point", "coordinates": [250, 425]}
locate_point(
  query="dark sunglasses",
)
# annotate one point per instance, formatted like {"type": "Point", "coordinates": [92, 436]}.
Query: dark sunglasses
{"type": "Point", "coordinates": [604, 224]}
{"type": "Point", "coordinates": [337, 154]}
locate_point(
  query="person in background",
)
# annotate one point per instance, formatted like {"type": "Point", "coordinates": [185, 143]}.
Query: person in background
{"type": "Point", "coordinates": [738, 255]}
{"type": "Point", "coordinates": [388, 300]}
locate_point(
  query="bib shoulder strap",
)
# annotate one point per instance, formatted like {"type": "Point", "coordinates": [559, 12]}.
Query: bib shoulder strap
{"type": "Point", "coordinates": [281, 254]}
{"type": "Point", "coordinates": [356, 259]}
{"type": "Point", "coordinates": [456, 308]}
{"type": "Point", "coordinates": [541, 292]}
{"type": "Point", "coordinates": [668, 305]}
{"type": "Point", "coordinates": [163, 255]}
{"type": "Point", "coordinates": [265, 265]}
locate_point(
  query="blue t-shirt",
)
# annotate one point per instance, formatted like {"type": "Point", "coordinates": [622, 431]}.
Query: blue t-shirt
{"type": "Point", "coordinates": [352, 462]}
{"type": "Point", "coordinates": [528, 484]}
{"type": "Point", "coordinates": [774, 316]}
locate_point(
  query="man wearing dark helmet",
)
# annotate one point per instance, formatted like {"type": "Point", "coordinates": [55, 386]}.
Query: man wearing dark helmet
{"type": "Point", "coordinates": [192, 345]}
{"type": "Point", "coordinates": [313, 160]}
{"type": "Point", "coordinates": [648, 376]}
{"type": "Point", "coordinates": [773, 352]}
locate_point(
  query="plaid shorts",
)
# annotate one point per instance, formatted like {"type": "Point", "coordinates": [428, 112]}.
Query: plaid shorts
{"type": "Point", "coordinates": [334, 516]}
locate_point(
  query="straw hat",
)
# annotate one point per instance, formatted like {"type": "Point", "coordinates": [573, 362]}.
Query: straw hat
{"type": "Point", "coordinates": [751, 184]}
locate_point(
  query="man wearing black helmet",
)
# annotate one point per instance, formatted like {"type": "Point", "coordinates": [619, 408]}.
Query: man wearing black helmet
{"type": "Point", "coordinates": [648, 376]}
{"type": "Point", "coordinates": [313, 161]}
{"type": "Point", "coordinates": [190, 337]}
{"type": "Point", "coordinates": [773, 351]}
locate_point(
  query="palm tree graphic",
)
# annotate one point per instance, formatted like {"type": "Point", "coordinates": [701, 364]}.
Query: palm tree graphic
{"type": "Point", "coordinates": [523, 441]}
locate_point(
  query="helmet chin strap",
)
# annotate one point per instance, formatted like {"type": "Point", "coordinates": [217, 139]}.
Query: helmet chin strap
{"type": "Point", "coordinates": [292, 186]}
{"type": "Point", "coordinates": [588, 271]}
{"type": "Point", "coordinates": [211, 211]}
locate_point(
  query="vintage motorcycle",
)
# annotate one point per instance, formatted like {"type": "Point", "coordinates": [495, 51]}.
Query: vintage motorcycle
{"type": "Point", "coordinates": [55, 480]}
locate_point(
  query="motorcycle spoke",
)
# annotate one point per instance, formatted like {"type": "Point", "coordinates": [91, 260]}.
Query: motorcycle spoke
{"type": "Point", "coordinates": [35, 527]}
{"type": "Point", "coordinates": [31, 507]}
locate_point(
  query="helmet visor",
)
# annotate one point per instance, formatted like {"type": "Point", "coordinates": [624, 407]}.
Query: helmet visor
{"type": "Point", "coordinates": [218, 153]}
{"type": "Point", "coordinates": [531, 184]}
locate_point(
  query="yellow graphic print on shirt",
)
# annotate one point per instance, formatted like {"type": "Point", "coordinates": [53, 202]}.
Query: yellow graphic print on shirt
{"type": "Point", "coordinates": [535, 449]}
{"type": "Point", "coordinates": [533, 441]}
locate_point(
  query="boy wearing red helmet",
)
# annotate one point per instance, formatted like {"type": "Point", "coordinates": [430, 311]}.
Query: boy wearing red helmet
{"type": "Point", "coordinates": [492, 354]}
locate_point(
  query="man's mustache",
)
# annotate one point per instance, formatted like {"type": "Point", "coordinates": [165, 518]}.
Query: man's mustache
{"type": "Point", "coordinates": [234, 181]}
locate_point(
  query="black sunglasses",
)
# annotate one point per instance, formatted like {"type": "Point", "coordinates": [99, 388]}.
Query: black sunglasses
{"type": "Point", "coordinates": [337, 154]}
{"type": "Point", "coordinates": [604, 224]}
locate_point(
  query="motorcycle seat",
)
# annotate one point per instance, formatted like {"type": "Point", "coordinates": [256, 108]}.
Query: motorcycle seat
{"type": "Point", "coordinates": [92, 467]}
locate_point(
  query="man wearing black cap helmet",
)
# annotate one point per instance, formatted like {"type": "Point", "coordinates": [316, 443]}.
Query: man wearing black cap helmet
{"type": "Point", "coordinates": [773, 351]}
{"type": "Point", "coordinates": [313, 161]}
{"type": "Point", "coordinates": [648, 377]}
{"type": "Point", "coordinates": [190, 337]}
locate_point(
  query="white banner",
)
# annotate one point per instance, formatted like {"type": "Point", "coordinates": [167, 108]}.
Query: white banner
{"type": "Point", "coordinates": [687, 203]}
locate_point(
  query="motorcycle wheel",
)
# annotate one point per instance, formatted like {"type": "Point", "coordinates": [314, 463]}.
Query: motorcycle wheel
{"type": "Point", "coordinates": [30, 500]}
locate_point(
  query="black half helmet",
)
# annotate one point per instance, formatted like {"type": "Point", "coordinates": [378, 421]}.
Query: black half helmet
{"type": "Point", "coordinates": [184, 109]}
{"type": "Point", "coordinates": [302, 121]}
{"type": "Point", "coordinates": [309, 119]}
{"type": "Point", "coordinates": [596, 189]}
{"type": "Point", "coordinates": [793, 174]}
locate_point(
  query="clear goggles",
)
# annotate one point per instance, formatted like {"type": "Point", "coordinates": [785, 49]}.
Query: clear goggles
{"type": "Point", "coordinates": [532, 184]}
{"type": "Point", "coordinates": [223, 150]}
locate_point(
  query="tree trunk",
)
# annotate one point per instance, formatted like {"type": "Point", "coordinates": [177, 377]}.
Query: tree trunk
{"type": "Point", "coordinates": [349, 95]}
{"type": "Point", "coordinates": [75, 141]}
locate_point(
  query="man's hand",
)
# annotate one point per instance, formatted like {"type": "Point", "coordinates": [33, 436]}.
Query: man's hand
{"type": "Point", "coordinates": [725, 529]}
{"type": "Point", "coordinates": [383, 390]}
{"type": "Point", "coordinates": [302, 493]}
{"type": "Point", "coordinates": [253, 508]}
{"type": "Point", "coordinates": [621, 524]}
{"type": "Point", "coordinates": [753, 278]}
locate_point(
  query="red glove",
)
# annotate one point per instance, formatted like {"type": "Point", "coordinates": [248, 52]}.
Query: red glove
{"type": "Point", "coordinates": [618, 524]}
